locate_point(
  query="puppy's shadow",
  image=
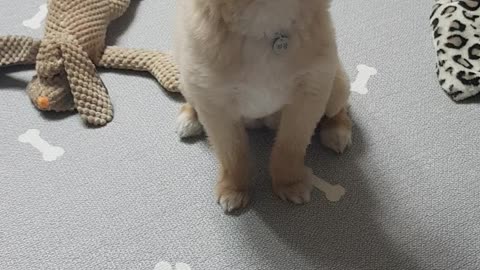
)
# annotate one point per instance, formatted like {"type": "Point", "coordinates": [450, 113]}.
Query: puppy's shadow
{"type": "Point", "coordinates": [341, 235]}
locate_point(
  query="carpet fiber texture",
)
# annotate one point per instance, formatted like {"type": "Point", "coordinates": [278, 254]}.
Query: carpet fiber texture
{"type": "Point", "coordinates": [131, 195]}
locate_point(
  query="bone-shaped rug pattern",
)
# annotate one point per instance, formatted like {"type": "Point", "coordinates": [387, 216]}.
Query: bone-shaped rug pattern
{"type": "Point", "coordinates": [168, 266]}
{"type": "Point", "coordinates": [363, 76]}
{"type": "Point", "coordinates": [333, 193]}
{"type": "Point", "coordinates": [36, 21]}
{"type": "Point", "coordinates": [49, 152]}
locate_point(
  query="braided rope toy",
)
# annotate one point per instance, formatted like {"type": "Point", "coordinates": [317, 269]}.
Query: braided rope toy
{"type": "Point", "coordinates": [67, 57]}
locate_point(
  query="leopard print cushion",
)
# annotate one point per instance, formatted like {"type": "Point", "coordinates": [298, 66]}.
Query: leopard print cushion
{"type": "Point", "coordinates": [456, 34]}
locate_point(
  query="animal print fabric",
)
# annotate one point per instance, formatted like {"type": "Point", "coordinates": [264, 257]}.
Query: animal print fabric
{"type": "Point", "coordinates": [456, 34]}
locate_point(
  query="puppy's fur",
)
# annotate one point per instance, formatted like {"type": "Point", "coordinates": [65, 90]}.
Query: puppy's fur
{"type": "Point", "coordinates": [231, 76]}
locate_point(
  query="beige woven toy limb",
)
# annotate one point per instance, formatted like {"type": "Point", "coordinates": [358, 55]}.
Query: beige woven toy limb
{"type": "Point", "coordinates": [73, 43]}
{"type": "Point", "coordinates": [18, 50]}
{"type": "Point", "coordinates": [160, 65]}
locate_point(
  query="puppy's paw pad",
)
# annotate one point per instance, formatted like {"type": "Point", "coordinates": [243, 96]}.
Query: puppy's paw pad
{"type": "Point", "coordinates": [336, 138]}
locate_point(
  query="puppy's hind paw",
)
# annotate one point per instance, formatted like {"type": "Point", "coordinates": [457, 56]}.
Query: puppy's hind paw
{"type": "Point", "coordinates": [187, 123]}
{"type": "Point", "coordinates": [336, 138]}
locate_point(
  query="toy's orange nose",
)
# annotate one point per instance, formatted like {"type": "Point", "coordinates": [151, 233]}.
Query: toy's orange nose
{"type": "Point", "coordinates": [42, 103]}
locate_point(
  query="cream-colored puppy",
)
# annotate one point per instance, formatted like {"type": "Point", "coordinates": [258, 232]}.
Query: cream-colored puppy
{"type": "Point", "coordinates": [245, 61]}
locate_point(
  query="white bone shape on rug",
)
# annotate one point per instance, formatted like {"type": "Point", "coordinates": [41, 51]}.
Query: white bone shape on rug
{"type": "Point", "coordinates": [49, 152]}
{"type": "Point", "coordinates": [36, 21]}
{"type": "Point", "coordinates": [168, 266]}
{"type": "Point", "coordinates": [363, 76]}
{"type": "Point", "coordinates": [333, 193]}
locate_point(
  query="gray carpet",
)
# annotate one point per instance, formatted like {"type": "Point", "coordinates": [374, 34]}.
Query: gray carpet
{"type": "Point", "coordinates": [131, 195]}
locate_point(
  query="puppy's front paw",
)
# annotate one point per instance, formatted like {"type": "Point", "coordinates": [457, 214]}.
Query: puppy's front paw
{"type": "Point", "coordinates": [231, 198]}
{"type": "Point", "coordinates": [337, 138]}
{"type": "Point", "coordinates": [298, 192]}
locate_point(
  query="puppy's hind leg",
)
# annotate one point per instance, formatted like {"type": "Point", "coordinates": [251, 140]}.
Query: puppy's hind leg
{"type": "Point", "coordinates": [336, 132]}
{"type": "Point", "coordinates": [188, 124]}
{"type": "Point", "coordinates": [336, 126]}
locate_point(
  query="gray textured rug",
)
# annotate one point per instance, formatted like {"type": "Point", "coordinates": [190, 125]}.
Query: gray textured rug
{"type": "Point", "coordinates": [132, 196]}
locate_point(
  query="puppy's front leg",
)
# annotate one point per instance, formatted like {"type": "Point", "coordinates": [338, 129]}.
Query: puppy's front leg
{"type": "Point", "coordinates": [229, 140]}
{"type": "Point", "coordinates": [297, 124]}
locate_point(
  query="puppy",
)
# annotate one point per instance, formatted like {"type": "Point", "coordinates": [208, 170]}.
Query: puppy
{"type": "Point", "coordinates": [261, 61]}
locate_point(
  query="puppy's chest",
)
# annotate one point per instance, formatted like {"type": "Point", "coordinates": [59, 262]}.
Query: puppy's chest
{"type": "Point", "coordinates": [264, 81]}
{"type": "Point", "coordinates": [261, 78]}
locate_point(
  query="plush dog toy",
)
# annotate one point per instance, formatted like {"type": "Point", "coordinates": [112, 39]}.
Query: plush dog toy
{"type": "Point", "coordinates": [67, 56]}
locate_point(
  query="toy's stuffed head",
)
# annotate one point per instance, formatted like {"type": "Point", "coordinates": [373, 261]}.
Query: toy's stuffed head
{"type": "Point", "coordinates": [66, 59]}
{"type": "Point", "coordinates": [50, 90]}
{"type": "Point", "coordinates": [51, 93]}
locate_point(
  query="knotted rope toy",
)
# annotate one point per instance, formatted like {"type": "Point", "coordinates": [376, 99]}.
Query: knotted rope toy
{"type": "Point", "coordinates": [71, 49]}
